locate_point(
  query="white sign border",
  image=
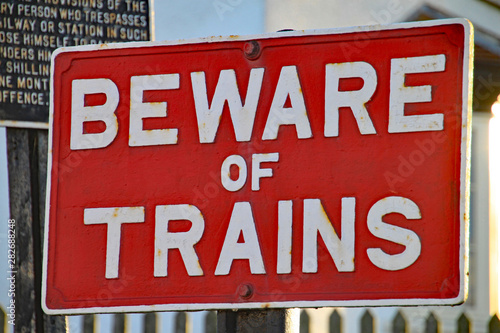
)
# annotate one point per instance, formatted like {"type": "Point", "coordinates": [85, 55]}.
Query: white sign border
{"type": "Point", "coordinates": [464, 177]}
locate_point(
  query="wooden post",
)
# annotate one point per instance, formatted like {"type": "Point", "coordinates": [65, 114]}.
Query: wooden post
{"type": "Point", "coordinates": [27, 166]}
{"type": "Point", "coordinates": [3, 321]}
{"type": "Point", "coordinates": [265, 321]}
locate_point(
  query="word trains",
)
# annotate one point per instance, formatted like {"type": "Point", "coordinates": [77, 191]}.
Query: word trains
{"type": "Point", "coordinates": [315, 222]}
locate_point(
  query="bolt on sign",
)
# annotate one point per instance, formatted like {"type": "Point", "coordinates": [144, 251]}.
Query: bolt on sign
{"type": "Point", "coordinates": [31, 31]}
{"type": "Point", "coordinates": [295, 169]}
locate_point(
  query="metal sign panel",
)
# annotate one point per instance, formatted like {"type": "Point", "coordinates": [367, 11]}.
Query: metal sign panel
{"type": "Point", "coordinates": [295, 169]}
{"type": "Point", "coordinates": [30, 32]}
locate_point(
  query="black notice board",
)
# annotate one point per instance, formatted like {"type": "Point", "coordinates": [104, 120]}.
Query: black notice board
{"type": "Point", "coordinates": [30, 30]}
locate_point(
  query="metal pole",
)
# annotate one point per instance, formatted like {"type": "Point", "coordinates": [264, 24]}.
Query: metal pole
{"type": "Point", "coordinates": [261, 321]}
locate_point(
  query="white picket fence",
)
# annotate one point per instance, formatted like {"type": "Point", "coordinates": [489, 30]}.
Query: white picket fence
{"type": "Point", "coordinates": [358, 320]}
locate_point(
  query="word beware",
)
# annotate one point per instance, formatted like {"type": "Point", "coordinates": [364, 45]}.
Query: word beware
{"type": "Point", "coordinates": [243, 113]}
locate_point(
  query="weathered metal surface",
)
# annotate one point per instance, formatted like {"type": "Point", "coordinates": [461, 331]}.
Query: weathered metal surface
{"type": "Point", "coordinates": [322, 168]}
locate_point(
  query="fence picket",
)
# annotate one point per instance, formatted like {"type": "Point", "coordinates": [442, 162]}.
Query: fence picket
{"type": "Point", "coordinates": [211, 322]}
{"type": "Point", "coordinates": [182, 323]}
{"type": "Point", "coordinates": [367, 322]}
{"type": "Point", "coordinates": [399, 323]}
{"type": "Point", "coordinates": [88, 323]}
{"type": "Point", "coordinates": [150, 322]}
{"type": "Point", "coordinates": [119, 323]}
{"type": "Point", "coordinates": [335, 322]}
{"type": "Point", "coordinates": [431, 324]}
{"type": "Point", "coordinates": [463, 324]}
{"type": "Point", "coordinates": [304, 322]}
{"type": "Point", "coordinates": [494, 324]}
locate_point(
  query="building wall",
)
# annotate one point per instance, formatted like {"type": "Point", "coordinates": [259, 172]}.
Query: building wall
{"type": "Point", "coordinates": [320, 14]}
